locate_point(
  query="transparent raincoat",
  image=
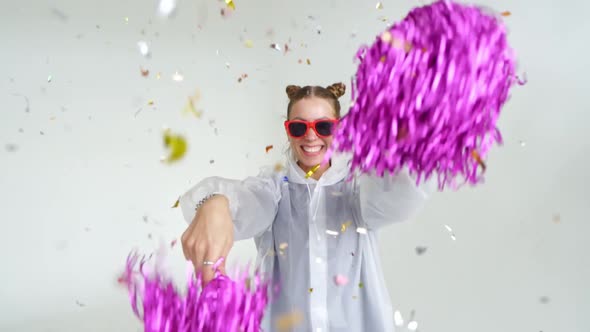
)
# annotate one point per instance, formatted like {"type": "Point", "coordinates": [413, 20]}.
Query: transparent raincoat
{"type": "Point", "coordinates": [309, 231]}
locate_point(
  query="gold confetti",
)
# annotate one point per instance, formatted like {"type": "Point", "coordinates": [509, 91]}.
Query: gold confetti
{"type": "Point", "coordinates": [361, 285]}
{"type": "Point", "coordinates": [268, 148]}
{"type": "Point", "coordinates": [311, 290]}
{"type": "Point", "coordinates": [283, 245]}
{"type": "Point", "coordinates": [230, 4]}
{"type": "Point", "coordinates": [505, 13]}
{"type": "Point", "coordinates": [308, 61]}
{"type": "Point", "coordinates": [158, 75]}
{"type": "Point", "coordinates": [477, 158]}
{"type": "Point", "coordinates": [311, 171]}
{"type": "Point", "coordinates": [178, 77]}
{"type": "Point", "coordinates": [288, 322]}
{"type": "Point", "coordinates": [379, 5]}
{"type": "Point", "coordinates": [176, 203]}
{"type": "Point", "coordinates": [344, 226]}
{"type": "Point", "coordinates": [176, 144]}
{"type": "Point", "coordinates": [279, 167]}
{"type": "Point", "coordinates": [249, 43]}
{"type": "Point", "coordinates": [150, 102]}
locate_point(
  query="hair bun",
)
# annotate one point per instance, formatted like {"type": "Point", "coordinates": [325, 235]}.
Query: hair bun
{"type": "Point", "coordinates": [337, 89]}
{"type": "Point", "coordinates": [292, 91]}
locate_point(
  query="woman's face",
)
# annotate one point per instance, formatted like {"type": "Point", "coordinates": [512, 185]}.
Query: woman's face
{"type": "Point", "coordinates": [311, 148]}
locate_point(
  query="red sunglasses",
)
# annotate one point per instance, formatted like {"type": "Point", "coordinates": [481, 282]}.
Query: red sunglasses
{"type": "Point", "coordinates": [298, 128]}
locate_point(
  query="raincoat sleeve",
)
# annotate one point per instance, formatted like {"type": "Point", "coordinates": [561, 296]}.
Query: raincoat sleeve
{"type": "Point", "coordinates": [391, 198]}
{"type": "Point", "coordinates": [253, 202]}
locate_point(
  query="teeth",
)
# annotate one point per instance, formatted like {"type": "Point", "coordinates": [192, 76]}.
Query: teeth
{"type": "Point", "coordinates": [312, 149]}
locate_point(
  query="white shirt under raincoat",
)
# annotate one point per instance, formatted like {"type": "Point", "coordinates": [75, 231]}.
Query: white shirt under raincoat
{"type": "Point", "coordinates": [309, 231]}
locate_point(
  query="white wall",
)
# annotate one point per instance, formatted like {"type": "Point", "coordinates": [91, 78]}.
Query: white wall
{"type": "Point", "coordinates": [74, 198]}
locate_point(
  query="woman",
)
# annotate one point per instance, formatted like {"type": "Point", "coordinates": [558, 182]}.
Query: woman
{"type": "Point", "coordinates": [312, 232]}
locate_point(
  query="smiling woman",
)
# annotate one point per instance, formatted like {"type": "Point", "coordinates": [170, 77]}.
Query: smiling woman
{"type": "Point", "coordinates": [297, 213]}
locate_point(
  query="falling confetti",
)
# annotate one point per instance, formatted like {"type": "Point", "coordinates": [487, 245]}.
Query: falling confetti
{"type": "Point", "coordinates": [173, 243]}
{"type": "Point", "coordinates": [59, 14]}
{"type": "Point", "coordinates": [331, 232]}
{"type": "Point", "coordinates": [344, 226]}
{"type": "Point", "coordinates": [49, 78]}
{"type": "Point", "coordinates": [420, 250]}
{"type": "Point", "coordinates": [312, 170]}
{"type": "Point", "coordinates": [144, 72]}
{"type": "Point", "coordinates": [268, 148]}
{"type": "Point", "coordinates": [10, 147]}
{"type": "Point", "coordinates": [176, 144]}
{"type": "Point", "coordinates": [379, 5]}
{"type": "Point", "coordinates": [288, 322]}
{"type": "Point", "coordinates": [522, 143]}
{"type": "Point", "coordinates": [80, 304]}
{"type": "Point", "coordinates": [158, 76]}
{"type": "Point", "coordinates": [143, 48]}
{"type": "Point", "coordinates": [451, 231]}
{"type": "Point", "coordinates": [211, 161]}
{"type": "Point", "coordinates": [279, 167]}
{"type": "Point", "coordinates": [283, 245]}
{"type": "Point", "coordinates": [190, 107]}
{"type": "Point", "coordinates": [230, 4]}
{"type": "Point", "coordinates": [311, 290]}
{"type": "Point", "coordinates": [249, 43]}
{"type": "Point", "coordinates": [175, 205]}
{"type": "Point", "coordinates": [308, 61]}
{"type": "Point", "coordinates": [361, 285]}
{"type": "Point", "coordinates": [505, 13]}
{"type": "Point", "coordinates": [340, 280]}
{"type": "Point", "coordinates": [413, 325]}
{"type": "Point", "coordinates": [242, 77]}
{"type": "Point", "coordinates": [556, 218]}
{"type": "Point", "coordinates": [126, 21]}
{"type": "Point", "coordinates": [150, 102]}
{"type": "Point", "coordinates": [166, 7]}
{"type": "Point", "coordinates": [276, 47]}
{"type": "Point", "coordinates": [544, 299]}
{"type": "Point", "coordinates": [177, 77]}
{"type": "Point", "coordinates": [361, 230]}
{"type": "Point", "coordinates": [397, 316]}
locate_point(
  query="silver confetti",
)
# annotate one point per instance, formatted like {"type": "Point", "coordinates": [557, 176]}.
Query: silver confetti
{"type": "Point", "coordinates": [397, 316]}
{"type": "Point", "coordinates": [450, 230]}
{"type": "Point", "coordinates": [166, 7]}
{"type": "Point", "coordinates": [143, 48]}
{"type": "Point", "coordinates": [420, 250]}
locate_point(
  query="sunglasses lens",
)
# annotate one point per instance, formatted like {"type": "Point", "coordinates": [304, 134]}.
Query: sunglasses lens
{"type": "Point", "coordinates": [297, 129]}
{"type": "Point", "coordinates": [324, 128]}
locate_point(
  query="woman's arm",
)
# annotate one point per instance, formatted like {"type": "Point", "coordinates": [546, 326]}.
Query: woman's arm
{"type": "Point", "coordinates": [253, 202]}
{"type": "Point", "coordinates": [390, 199]}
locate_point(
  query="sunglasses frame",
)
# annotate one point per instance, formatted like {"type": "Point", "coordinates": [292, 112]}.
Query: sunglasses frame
{"type": "Point", "coordinates": [310, 124]}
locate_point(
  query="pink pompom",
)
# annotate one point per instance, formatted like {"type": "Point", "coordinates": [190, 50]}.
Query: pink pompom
{"type": "Point", "coordinates": [428, 93]}
{"type": "Point", "coordinates": [222, 305]}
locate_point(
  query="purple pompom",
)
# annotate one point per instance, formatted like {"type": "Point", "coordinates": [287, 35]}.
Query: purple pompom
{"type": "Point", "coordinates": [222, 305]}
{"type": "Point", "coordinates": [427, 95]}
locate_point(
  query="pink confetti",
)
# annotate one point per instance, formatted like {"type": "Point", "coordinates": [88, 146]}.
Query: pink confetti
{"type": "Point", "coordinates": [428, 93]}
{"type": "Point", "coordinates": [340, 280]}
{"type": "Point", "coordinates": [222, 305]}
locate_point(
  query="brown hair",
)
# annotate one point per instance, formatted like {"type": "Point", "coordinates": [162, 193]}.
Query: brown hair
{"type": "Point", "coordinates": [330, 93]}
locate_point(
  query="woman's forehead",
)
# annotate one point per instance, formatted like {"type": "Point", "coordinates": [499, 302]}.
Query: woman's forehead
{"type": "Point", "coordinates": [312, 109]}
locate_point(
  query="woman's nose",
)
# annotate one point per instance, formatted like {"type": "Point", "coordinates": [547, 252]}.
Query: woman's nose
{"type": "Point", "coordinates": [310, 134]}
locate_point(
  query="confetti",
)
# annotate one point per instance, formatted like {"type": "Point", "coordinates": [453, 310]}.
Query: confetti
{"type": "Point", "coordinates": [340, 280]}
{"type": "Point", "coordinates": [143, 48]}
{"type": "Point", "coordinates": [177, 77]}
{"type": "Point", "coordinates": [230, 4]}
{"type": "Point", "coordinates": [413, 325]}
{"type": "Point", "coordinates": [397, 316]}
{"type": "Point", "coordinates": [276, 47]}
{"type": "Point", "coordinates": [283, 245]}
{"type": "Point", "coordinates": [10, 147]}
{"type": "Point", "coordinates": [544, 299]}
{"type": "Point", "coordinates": [361, 285]}
{"type": "Point", "coordinates": [424, 85]}
{"type": "Point", "coordinates": [556, 218]}
{"type": "Point", "coordinates": [173, 243]}
{"type": "Point", "coordinates": [126, 22]}
{"type": "Point", "coordinates": [331, 232]}
{"type": "Point", "coordinates": [59, 14]}
{"type": "Point", "coordinates": [420, 250]}
{"type": "Point", "coordinates": [312, 170]}
{"type": "Point", "coordinates": [249, 43]}
{"type": "Point", "coordinates": [211, 161]}
{"type": "Point", "coordinates": [144, 72]}
{"type": "Point", "coordinates": [242, 77]}
{"type": "Point", "coordinates": [49, 78]}
{"type": "Point", "coordinates": [522, 143]}
{"type": "Point", "coordinates": [279, 167]}
{"type": "Point", "coordinates": [175, 205]}
{"type": "Point", "coordinates": [190, 108]}
{"type": "Point", "coordinates": [311, 290]}
{"type": "Point", "coordinates": [308, 61]}
{"type": "Point", "coordinates": [344, 226]}
{"type": "Point", "coordinates": [166, 7]}
{"type": "Point", "coordinates": [176, 144]}
{"type": "Point", "coordinates": [268, 148]}
{"type": "Point", "coordinates": [361, 230]}
{"type": "Point", "coordinates": [150, 102]}
{"type": "Point", "coordinates": [158, 75]}
{"type": "Point", "coordinates": [379, 5]}
{"type": "Point", "coordinates": [288, 322]}
{"type": "Point", "coordinates": [451, 231]}
{"type": "Point", "coordinates": [80, 304]}
{"type": "Point", "coordinates": [505, 13]}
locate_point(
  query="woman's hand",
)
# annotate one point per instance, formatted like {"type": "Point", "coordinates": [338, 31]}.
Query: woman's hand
{"type": "Point", "coordinates": [209, 236]}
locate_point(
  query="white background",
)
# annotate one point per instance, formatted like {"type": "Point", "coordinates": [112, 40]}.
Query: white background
{"type": "Point", "coordinates": [81, 182]}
